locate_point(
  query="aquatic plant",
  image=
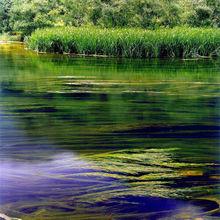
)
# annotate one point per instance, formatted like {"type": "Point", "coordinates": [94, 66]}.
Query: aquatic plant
{"type": "Point", "coordinates": [176, 42]}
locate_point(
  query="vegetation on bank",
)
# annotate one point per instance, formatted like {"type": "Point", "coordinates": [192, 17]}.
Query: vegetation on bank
{"type": "Point", "coordinates": [176, 42]}
{"type": "Point", "coordinates": [6, 37]}
{"type": "Point", "coordinates": [25, 16]}
{"type": "Point", "coordinates": [135, 28]}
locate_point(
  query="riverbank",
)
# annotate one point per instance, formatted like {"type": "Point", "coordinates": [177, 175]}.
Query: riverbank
{"type": "Point", "coordinates": [176, 42]}
{"type": "Point", "coordinates": [5, 38]}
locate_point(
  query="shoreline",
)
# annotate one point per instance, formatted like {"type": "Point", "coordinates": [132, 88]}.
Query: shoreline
{"type": "Point", "coordinates": [10, 42]}
{"type": "Point", "coordinates": [196, 57]}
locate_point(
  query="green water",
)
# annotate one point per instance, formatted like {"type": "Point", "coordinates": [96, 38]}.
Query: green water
{"type": "Point", "coordinates": [104, 138]}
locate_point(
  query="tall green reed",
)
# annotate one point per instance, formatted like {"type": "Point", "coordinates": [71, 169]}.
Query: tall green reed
{"type": "Point", "coordinates": [176, 42]}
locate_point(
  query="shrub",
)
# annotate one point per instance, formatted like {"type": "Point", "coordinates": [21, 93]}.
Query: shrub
{"type": "Point", "coordinates": [201, 16]}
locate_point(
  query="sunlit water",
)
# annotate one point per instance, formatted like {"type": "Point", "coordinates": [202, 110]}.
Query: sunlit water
{"type": "Point", "coordinates": [104, 138]}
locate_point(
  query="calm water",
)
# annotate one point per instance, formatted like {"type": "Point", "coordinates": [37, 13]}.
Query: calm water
{"type": "Point", "coordinates": [98, 138]}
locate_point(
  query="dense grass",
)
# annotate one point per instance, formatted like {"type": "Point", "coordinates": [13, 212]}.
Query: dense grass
{"type": "Point", "coordinates": [177, 42]}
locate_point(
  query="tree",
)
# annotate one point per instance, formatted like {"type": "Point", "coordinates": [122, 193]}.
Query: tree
{"type": "Point", "coordinates": [75, 12]}
{"type": "Point", "coordinates": [138, 13]}
{"type": "Point", "coordinates": [28, 15]}
{"type": "Point", "coordinates": [215, 7]}
{"type": "Point", "coordinates": [203, 13]}
{"type": "Point", "coordinates": [5, 7]}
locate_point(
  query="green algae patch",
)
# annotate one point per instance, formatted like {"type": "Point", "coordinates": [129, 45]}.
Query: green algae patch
{"type": "Point", "coordinates": [152, 172]}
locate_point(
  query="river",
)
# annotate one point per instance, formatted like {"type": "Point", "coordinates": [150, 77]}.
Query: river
{"type": "Point", "coordinates": [106, 138]}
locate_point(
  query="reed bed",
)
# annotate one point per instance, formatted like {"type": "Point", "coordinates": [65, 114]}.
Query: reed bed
{"type": "Point", "coordinates": [176, 42]}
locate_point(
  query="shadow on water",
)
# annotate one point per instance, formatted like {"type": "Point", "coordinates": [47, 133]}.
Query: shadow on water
{"type": "Point", "coordinates": [96, 138]}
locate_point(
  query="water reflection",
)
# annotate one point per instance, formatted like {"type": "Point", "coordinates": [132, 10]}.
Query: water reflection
{"type": "Point", "coordinates": [105, 138]}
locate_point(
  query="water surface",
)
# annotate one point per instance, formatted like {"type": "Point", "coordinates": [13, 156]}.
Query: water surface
{"type": "Point", "coordinates": [104, 138]}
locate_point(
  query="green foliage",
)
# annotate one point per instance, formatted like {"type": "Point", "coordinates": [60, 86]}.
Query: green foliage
{"type": "Point", "coordinates": [201, 16]}
{"type": "Point", "coordinates": [139, 13]}
{"type": "Point", "coordinates": [28, 15]}
{"type": "Point", "coordinates": [205, 13]}
{"type": "Point", "coordinates": [5, 6]}
{"type": "Point", "coordinates": [177, 42]}
{"type": "Point", "coordinates": [74, 12]}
